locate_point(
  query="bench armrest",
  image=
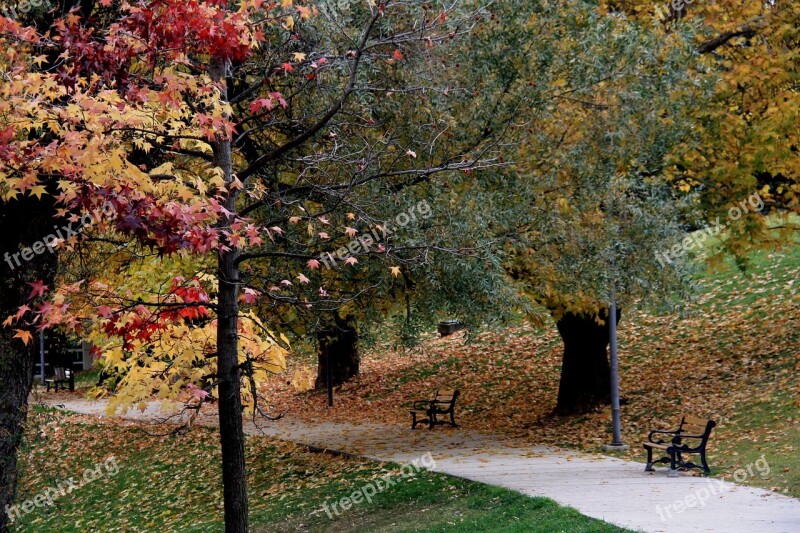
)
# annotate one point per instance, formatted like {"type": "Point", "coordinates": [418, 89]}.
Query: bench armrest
{"type": "Point", "coordinates": [663, 431]}
{"type": "Point", "coordinates": [684, 436]}
{"type": "Point", "coordinates": [422, 404]}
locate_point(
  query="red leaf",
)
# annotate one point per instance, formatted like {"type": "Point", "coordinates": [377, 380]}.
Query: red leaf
{"type": "Point", "coordinates": [38, 289]}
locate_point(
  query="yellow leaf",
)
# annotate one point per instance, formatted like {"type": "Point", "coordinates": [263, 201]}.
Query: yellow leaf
{"type": "Point", "coordinates": [38, 191]}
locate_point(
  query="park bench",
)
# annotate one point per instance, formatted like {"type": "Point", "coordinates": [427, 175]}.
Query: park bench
{"type": "Point", "coordinates": [61, 377]}
{"type": "Point", "coordinates": [443, 403]}
{"type": "Point", "coordinates": [692, 429]}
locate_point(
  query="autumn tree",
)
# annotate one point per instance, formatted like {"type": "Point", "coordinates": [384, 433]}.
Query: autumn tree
{"type": "Point", "coordinates": [27, 211]}
{"type": "Point", "coordinates": [740, 140]}
{"type": "Point", "coordinates": [749, 134]}
{"type": "Point", "coordinates": [379, 171]}
{"type": "Point", "coordinates": [588, 200]}
{"type": "Point", "coordinates": [171, 134]}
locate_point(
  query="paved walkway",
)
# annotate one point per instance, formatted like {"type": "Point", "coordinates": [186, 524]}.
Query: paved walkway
{"type": "Point", "coordinates": [602, 487]}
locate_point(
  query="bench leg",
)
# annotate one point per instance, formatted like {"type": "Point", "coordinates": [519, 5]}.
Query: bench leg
{"type": "Point", "coordinates": [453, 419]}
{"type": "Point", "coordinates": [673, 469]}
{"type": "Point", "coordinates": [706, 469]}
{"type": "Point", "coordinates": [649, 466]}
{"type": "Point", "coordinates": [413, 420]}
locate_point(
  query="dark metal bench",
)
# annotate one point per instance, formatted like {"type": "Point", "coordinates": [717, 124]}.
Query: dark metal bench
{"type": "Point", "coordinates": [443, 403]}
{"type": "Point", "coordinates": [695, 430]}
{"type": "Point", "coordinates": [61, 378]}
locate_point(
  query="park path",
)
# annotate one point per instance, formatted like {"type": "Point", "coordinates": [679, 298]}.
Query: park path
{"type": "Point", "coordinates": [607, 488]}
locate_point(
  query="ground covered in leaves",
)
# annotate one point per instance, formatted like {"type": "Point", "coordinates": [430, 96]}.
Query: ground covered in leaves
{"type": "Point", "coordinates": [732, 356]}
{"type": "Point", "coordinates": [173, 483]}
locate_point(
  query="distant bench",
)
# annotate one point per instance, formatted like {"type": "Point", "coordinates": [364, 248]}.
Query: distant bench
{"type": "Point", "coordinates": [443, 403]}
{"type": "Point", "coordinates": [695, 430]}
{"type": "Point", "coordinates": [61, 377]}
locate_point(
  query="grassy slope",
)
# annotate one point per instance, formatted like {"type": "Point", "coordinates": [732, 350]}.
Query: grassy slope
{"type": "Point", "coordinates": [173, 483]}
{"type": "Point", "coordinates": [732, 356]}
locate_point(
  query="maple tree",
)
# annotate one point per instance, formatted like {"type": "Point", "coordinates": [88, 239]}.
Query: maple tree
{"type": "Point", "coordinates": [21, 223]}
{"type": "Point", "coordinates": [170, 124]}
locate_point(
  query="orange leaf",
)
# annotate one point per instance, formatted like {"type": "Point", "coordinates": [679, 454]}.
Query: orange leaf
{"type": "Point", "coordinates": [24, 335]}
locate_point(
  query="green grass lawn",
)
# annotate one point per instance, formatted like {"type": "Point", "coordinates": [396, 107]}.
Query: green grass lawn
{"type": "Point", "coordinates": [173, 483]}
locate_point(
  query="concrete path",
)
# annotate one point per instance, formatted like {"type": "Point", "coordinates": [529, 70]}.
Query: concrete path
{"type": "Point", "coordinates": [610, 489]}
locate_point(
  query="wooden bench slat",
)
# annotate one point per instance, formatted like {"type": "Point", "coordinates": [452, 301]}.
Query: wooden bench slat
{"type": "Point", "coordinates": [693, 430]}
{"type": "Point", "coordinates": [694, 421]}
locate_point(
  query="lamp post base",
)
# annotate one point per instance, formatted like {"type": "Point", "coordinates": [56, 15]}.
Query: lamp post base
{"type": "Point", "coordinates": [614, 447]}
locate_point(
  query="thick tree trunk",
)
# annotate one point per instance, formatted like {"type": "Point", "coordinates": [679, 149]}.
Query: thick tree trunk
{"type": "Point", "coordinates": [338, 347]}
{"type": "Point", "coordinates": [22, 222]}
{"type": "Point", "coordinates": [585, 371]}
{"type": "Point", "coordinates": [234, 471]}
{"type": "Point", "coordinates": [16, 378]}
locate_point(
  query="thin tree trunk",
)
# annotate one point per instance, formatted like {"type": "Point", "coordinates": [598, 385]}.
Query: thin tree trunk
{"type": "Point", "coordinates": [585, 371]}
{"type": "Point", "coordinates": [234, 472]}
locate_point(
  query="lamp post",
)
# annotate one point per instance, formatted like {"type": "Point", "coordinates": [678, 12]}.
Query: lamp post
{"type": "Point", "coordinates": [616, 422]}
{"type": "Point", "coordinates": [41, 356]}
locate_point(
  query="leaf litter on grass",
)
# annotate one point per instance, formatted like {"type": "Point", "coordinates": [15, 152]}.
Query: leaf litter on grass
{"type": "Point", "coordinates": [737, 344]}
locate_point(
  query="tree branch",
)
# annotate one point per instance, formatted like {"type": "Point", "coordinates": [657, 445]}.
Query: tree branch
{"type": "Point", "coordinates": [256, 165]}
{"type": "Point", "coordinates": [709, 46]}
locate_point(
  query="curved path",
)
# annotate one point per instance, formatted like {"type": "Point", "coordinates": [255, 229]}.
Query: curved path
{"type": "Point", "coordinates": [607, 488]}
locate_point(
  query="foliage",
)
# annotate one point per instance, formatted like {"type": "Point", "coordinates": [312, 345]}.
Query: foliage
{"type": "Point", "coordinates": [138, 130]}
{"type": "Point", "coordinates": [749, 131]}
{"type": "Point", "coordinates": [607, 100]}
{"type": "Point", "coordinates": [172, 127]}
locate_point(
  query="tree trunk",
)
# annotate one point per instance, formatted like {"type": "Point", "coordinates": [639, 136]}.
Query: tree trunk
{"type": "Point", "coordinates": [16, 378]}
{"type": "Point", "coordinates": [234, 472]}
{"type": "Point", "coordinates": [22, 222]}
{"type": "Point", "coordinates": [585, 371]}
{"type": "Point", "coordinates": [338, 346]}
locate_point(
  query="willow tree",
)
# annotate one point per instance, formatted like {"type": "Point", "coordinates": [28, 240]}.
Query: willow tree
{"type": "Point", "coordinates": [363, 205]}
{"type": "Point", "coordinates": [594, 107]}
{"type": "Point", "coordinates": [749, 129]}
